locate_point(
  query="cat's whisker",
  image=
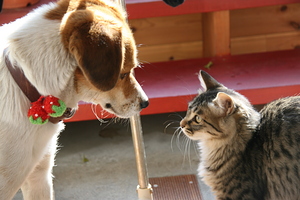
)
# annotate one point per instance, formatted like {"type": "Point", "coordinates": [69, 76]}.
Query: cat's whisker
{"type": "Point", "coordinates": [183, 143]}
{"type": "Point", "coordinates": [184, 155]}
{"type": "Point", "coordinates": [176, 115]}
{"type": "Point", "coordinates": [177, 135]}
{"type": "Point", "coordinates": [178, 140]}
{"type": "Point", "coordinates": [172, 141]}
{"type": "Point", "coordinates": [168, 125]}
{"type": "Point", "coordinates": [187, 150]}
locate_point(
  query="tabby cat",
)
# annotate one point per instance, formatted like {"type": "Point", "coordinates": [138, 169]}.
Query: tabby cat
{"type": "Point", "coordinates": [245, 155]}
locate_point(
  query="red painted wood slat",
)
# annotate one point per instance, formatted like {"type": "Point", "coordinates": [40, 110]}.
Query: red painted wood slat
{"type": "Point", "coordinates": [261, 77]}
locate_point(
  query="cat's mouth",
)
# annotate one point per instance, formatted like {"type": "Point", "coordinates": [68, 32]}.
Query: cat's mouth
{"type": "Point", "coordinates": [187, 131]}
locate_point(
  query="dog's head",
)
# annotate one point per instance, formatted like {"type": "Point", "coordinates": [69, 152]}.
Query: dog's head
{"type": "Point", "coordinates": [96, 33]}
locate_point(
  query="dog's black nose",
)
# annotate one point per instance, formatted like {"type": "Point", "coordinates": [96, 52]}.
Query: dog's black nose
{"type": "Point", "coordinates": [144, 104]}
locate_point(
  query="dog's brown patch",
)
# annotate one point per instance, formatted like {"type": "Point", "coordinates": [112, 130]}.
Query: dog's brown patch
{"type": "Point", "coordinates": [59, 11]}
{"type": "Point", "coordinates": [126, 85]}
{"type": "Point", "coordinates": [97, 47]}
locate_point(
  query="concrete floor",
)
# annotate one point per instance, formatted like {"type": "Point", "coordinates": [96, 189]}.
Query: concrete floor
{"type": "Point", "coordinates": [96, 161]}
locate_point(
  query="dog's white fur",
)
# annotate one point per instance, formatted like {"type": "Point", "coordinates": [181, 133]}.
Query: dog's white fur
{"type": "Point", "coordinates": [27, 151]}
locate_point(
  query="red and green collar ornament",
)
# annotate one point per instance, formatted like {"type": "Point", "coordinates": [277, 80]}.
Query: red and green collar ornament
{"type": "Point", "coordinates": [44, 108]}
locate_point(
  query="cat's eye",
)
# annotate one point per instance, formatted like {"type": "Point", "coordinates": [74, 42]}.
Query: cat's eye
{"type": "Point", "coordinates": [198, 119]}
{"type": "Point", "coordinates": [124, 75]}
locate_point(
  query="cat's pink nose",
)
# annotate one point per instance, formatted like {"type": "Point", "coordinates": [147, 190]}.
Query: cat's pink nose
{"type": "Point", "coordinates": [182, 123]}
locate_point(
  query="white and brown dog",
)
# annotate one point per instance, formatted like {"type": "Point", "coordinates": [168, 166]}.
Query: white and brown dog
{"type": "Point", "coordinates": [74, 50]}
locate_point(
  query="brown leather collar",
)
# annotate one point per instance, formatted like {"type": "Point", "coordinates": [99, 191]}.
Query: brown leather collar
{"type": "Point", "coordinates": [29, 90]}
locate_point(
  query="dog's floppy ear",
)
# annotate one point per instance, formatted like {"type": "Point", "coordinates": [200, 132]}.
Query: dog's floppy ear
{"type": "Point", "coordinates": [97, 47]}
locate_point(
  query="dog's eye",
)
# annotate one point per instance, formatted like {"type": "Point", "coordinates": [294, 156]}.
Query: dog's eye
{"type": "Point", "coordinates": [124, 75]}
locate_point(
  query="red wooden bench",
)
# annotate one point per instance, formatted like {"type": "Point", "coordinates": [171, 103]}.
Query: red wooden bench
{"type": "Point", "coordinates": [261, 77]}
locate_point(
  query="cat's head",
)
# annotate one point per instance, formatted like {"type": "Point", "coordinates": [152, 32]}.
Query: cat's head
{"type": "Point", "coordinates": [217, 112]}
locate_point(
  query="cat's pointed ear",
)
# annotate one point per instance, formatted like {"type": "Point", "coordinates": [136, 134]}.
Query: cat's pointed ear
{"type": "Point", "coordinates": [225, 102]}
{"type": "Point", "coordinates": [207, 81]}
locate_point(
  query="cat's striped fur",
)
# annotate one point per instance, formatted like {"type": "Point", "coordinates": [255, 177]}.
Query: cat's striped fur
{"type": "Point", "coordinates": [245, 155]}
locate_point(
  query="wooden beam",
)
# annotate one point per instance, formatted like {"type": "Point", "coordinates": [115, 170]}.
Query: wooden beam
{"type": "Point", "coordinates": [169, 52]}
{"type": "Point", "coordinates": [216, 33]}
